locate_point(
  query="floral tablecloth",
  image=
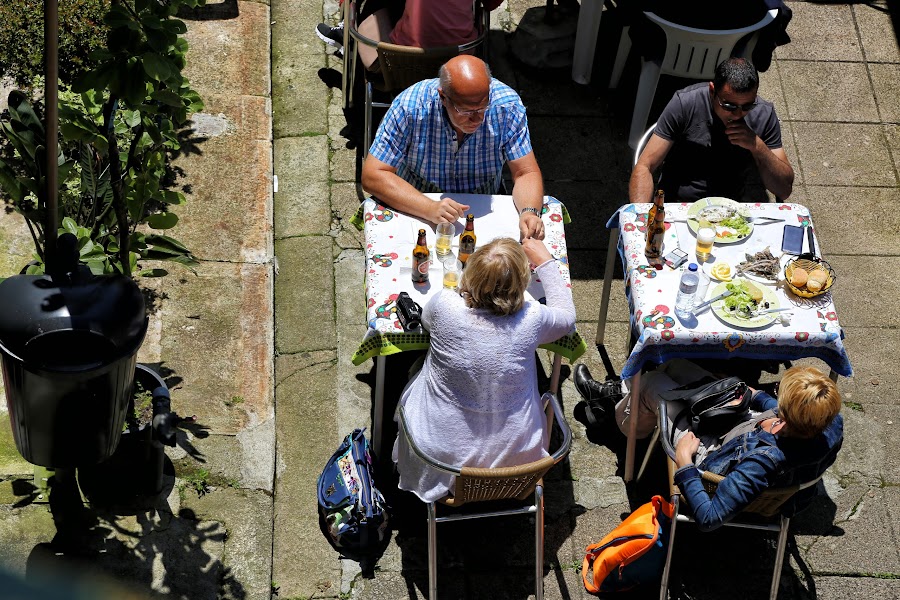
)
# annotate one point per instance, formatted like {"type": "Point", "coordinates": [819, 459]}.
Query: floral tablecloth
{"type": "Point", "coordinates": [390, 237]}
{"type": "Point", "coordinates": [814, 329]}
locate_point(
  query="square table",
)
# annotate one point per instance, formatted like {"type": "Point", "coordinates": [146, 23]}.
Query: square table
{"type": "Point", "coordinates": [390, 238]}
{"type": "Point", "coordinates": [814, 330]}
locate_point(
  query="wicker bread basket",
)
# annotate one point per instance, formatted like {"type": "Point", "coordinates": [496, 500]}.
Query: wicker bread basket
{"type": "Point", "coordinates": [809, 266]}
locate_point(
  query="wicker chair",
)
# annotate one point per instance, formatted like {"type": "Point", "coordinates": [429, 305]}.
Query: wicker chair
{"type": "Point", "coordinates": [507, 483]}
{"type": "Point", "coordinates": [764, 513]}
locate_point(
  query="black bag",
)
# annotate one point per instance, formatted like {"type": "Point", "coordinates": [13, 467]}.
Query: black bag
{"type": "Point", "coordinates": [353, 514]}
{"type": "Point", "coordinates": [708, 404]}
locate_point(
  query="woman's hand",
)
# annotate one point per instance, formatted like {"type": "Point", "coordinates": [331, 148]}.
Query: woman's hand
{"type": "Point", "coordinates": [685, 449]}
{"type": "Point", "coordinates": [536, 251]}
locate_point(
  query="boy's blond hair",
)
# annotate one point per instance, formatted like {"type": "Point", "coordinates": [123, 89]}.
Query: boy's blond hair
{"type": "Point", "coordinates": [807, 401]}
{"type": "Point", "coordinates": [496, 276]}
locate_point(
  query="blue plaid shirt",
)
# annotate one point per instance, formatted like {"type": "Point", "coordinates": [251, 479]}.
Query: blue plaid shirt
{"type": "Point", "coordinates": [417, 139]}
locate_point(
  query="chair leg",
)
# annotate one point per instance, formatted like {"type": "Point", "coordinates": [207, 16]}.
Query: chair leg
{"type": "Point", "coordinates": [779, 556]}
{"type": "Point", "coordinates": [367, 128]}
{"type": "Point", "coordinates": [653, 442]}
{"type": "Point", "coordinates": [645, 93]}
{"type": "Point", "coordinates": [539, 543]}
{"type": "Point", "coordinates": [664, 583]}
{"type": "Point", "coordinates": [432, 553]}
{"type": "Point", "coordinates": [621, 58]}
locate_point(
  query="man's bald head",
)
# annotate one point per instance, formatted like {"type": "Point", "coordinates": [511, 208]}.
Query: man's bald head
{"type": "Point", "coordinates": [466, 77]}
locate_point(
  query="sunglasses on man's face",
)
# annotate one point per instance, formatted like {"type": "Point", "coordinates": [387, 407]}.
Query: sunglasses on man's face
{"type": "Point", "coordinates": [732, 107]}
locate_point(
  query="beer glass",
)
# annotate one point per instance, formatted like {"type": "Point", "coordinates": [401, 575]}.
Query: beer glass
{"type": "Point", "coordinates": [444, 238]}
{"type": "Point", "coordinates": [452, 272]}
{"type": "Point", "coordinates": [705, 238]}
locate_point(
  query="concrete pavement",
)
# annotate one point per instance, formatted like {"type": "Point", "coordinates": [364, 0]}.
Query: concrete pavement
{"type": "Point", "coordinates": [258, 343]}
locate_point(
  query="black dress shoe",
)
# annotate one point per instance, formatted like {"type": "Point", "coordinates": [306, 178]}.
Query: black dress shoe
{"type": "Point", "coordinates": [589, 388]}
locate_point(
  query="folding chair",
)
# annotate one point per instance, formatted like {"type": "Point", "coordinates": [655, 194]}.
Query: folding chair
{"type": "Point", "coordinates": [764, 512]}
{"type": "Point", "coordinates": [690, 53]}
{"type": "Point", "coordinates": [505, 483]}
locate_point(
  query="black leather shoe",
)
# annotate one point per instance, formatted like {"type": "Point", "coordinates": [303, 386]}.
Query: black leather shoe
{"type": "Point", "coordinates": [587, 386]}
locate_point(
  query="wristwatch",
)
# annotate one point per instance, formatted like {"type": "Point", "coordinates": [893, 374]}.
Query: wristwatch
{"type": "Point", "coordinates": [530, 209]}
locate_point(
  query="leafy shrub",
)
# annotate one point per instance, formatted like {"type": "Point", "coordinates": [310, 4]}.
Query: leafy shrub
{"type": "Point", "coordinates": [81, 31]}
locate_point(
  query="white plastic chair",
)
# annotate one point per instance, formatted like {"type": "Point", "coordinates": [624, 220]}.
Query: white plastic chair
{"type": "Point", "coordinates": [642, 143]}
{"type": "Point", "coordinates": [690, 53]}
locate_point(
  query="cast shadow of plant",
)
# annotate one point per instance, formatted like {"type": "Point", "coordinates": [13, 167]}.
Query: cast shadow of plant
{"type": "Point", "coordinates": [211, 11]}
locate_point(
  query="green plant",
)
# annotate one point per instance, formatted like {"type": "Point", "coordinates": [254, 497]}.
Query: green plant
{"type": "Point", "coordinates": [117, 130]}
{"type": "Point", "coordinates": [81, 31]}
{"type": "Point", "coordinates": [141, 409]}
{"type": "Point", "coordinates": [198, 480]}
{"type": "Point", "coordinates": [235, 400]}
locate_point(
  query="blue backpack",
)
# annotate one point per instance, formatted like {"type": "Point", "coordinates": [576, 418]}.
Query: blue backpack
{"type": "Point", "coordinates": [353, 514]}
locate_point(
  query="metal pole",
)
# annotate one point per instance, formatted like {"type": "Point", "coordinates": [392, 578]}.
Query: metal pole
{"type": "Point", "coordinates": [51, 126]}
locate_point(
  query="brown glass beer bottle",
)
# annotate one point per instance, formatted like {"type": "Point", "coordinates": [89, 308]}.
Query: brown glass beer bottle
{"type": "Point", "coordinates": [421, 260]}
{"type": "Point", "coordinates": [467, 240]}
{"type": "Point", "coordinates": [656, 228]}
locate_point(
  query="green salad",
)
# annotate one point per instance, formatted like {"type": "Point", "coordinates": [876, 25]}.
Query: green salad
{"type": "Point", "coordinates": [738, 223]}
{"type": "Point", "coordinates": [741, 302]}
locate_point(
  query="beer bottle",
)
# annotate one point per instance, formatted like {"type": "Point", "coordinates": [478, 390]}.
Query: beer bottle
{"type": "Point", "coordinates": [467, 240]}
{"type": "Point", "coordinates": [656, 231]}
{"type": "Point", "coordinates": [421, 260]}
{"type": "Point", "coordinates": [658, 201]}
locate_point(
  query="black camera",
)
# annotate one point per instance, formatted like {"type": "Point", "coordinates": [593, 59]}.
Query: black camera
{"type": "Point", "coordinates": [408, 312]}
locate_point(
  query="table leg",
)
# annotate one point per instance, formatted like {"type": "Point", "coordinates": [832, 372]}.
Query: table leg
{"type": "Point", "coordinates": [586, 40]}
{"type": "Point", "coordinates": [554, 376]}
{"type": "Point", "coordinates": [378, 408]}
{"type": "Point", "coordinates": [607, 282]}
{"type": "Point", "coordinates": [634, 405]}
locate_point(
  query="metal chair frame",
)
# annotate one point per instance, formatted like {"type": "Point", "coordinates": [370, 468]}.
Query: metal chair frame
{"type": "Point", "coordinates": [486, 484]}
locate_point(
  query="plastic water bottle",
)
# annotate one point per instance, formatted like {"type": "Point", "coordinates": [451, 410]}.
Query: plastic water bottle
{"type": "Point", "coordinates": [684, 302]}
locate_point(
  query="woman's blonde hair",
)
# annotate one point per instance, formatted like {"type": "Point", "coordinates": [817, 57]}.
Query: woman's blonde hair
{"type": "Point", "coordinates": [496, 276]}
{"type": "Point", "coordinates": [807, 401]}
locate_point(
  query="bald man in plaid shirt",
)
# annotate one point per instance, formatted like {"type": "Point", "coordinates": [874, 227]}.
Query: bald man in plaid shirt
{"type": "Point", "coordinates": [454, 134]}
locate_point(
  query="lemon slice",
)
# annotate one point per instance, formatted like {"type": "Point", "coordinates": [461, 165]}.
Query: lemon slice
{"type": "Point", "coordinates": [721, 271]}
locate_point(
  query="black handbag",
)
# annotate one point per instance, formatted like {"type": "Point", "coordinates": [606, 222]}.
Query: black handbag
{"type": "Point", "coordinates": [712, 406]}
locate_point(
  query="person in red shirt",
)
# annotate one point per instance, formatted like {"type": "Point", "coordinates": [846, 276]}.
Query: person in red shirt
{"type": "Point", "coordinates": [422, 24]}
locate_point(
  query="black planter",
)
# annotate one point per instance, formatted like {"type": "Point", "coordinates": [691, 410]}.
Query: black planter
{"type": "Point", "coordinates": [68, 345]}
{"type": "Point", "coordinates": [136, 467]}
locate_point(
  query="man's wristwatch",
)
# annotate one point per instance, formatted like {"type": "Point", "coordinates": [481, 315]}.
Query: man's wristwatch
{"type": "Point", "coordinates": [530, 209]}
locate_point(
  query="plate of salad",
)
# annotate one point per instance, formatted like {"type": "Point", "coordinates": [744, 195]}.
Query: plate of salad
{"type": "Point", "coordinates": [726, 215]}
{"type": "Point", "coordinates": [742, 308]}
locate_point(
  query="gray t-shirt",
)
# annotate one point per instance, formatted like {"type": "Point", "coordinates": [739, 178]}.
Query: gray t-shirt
{"type": "Point", "coordinates": [702, 161]}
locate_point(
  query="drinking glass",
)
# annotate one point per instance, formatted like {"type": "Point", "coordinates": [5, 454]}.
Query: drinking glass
{"type": "Point", "coordinates": [444, 238]}
{"type": "Point", "coordinates": [705, 238]}
{"type": "Point", "coordinates": [452, 272]}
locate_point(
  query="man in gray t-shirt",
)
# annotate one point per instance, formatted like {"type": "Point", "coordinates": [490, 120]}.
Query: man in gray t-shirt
{"type": "Point", "coordinates": [717, 139]}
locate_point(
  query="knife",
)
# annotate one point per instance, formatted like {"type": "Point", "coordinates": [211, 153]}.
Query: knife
{"type": "Point", "coordinates": [812, 243]}
{"type": "Point", "coordinates": [724, 294]}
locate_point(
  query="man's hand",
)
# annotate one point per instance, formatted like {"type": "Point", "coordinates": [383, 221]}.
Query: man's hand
{"type": "Point", "coordinates": [530, 226]}
{"type": "Point", "coordinates": [447, 210]}
{"type": "Point", "coordinates": [685, 449]}
{"type": "Point", "coordinates": [741, 135]}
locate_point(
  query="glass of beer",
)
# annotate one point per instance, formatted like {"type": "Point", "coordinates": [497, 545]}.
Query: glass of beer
{"type": "Point", "coordinates": [444, 238]}
{"type": "Point", "coordinates": [705, 238]}
{"type": "Point", "coordinates": [452, 271]}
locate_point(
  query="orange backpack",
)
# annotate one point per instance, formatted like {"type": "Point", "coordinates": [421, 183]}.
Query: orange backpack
{"type": "Point", "coordinates": [633, 553]}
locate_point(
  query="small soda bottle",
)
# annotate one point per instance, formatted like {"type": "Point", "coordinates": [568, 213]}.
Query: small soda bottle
{"type": "Point", "coordinates": [467, 240]}
{"type": "Point", "coordinates": [421, 260]}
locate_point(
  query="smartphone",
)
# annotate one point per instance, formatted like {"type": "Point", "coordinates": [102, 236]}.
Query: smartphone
{"type": "Point", "coordinates": [792, 242]}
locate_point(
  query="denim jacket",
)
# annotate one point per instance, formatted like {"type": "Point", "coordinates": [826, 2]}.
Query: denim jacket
{"type": "Point", "coordinates": [754, 461]}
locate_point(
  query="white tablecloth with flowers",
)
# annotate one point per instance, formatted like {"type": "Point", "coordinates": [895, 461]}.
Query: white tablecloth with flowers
{"type": "Point", "coordinates": [390, 237]}
{"type": "Point", "coordinates": [813, 331]}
